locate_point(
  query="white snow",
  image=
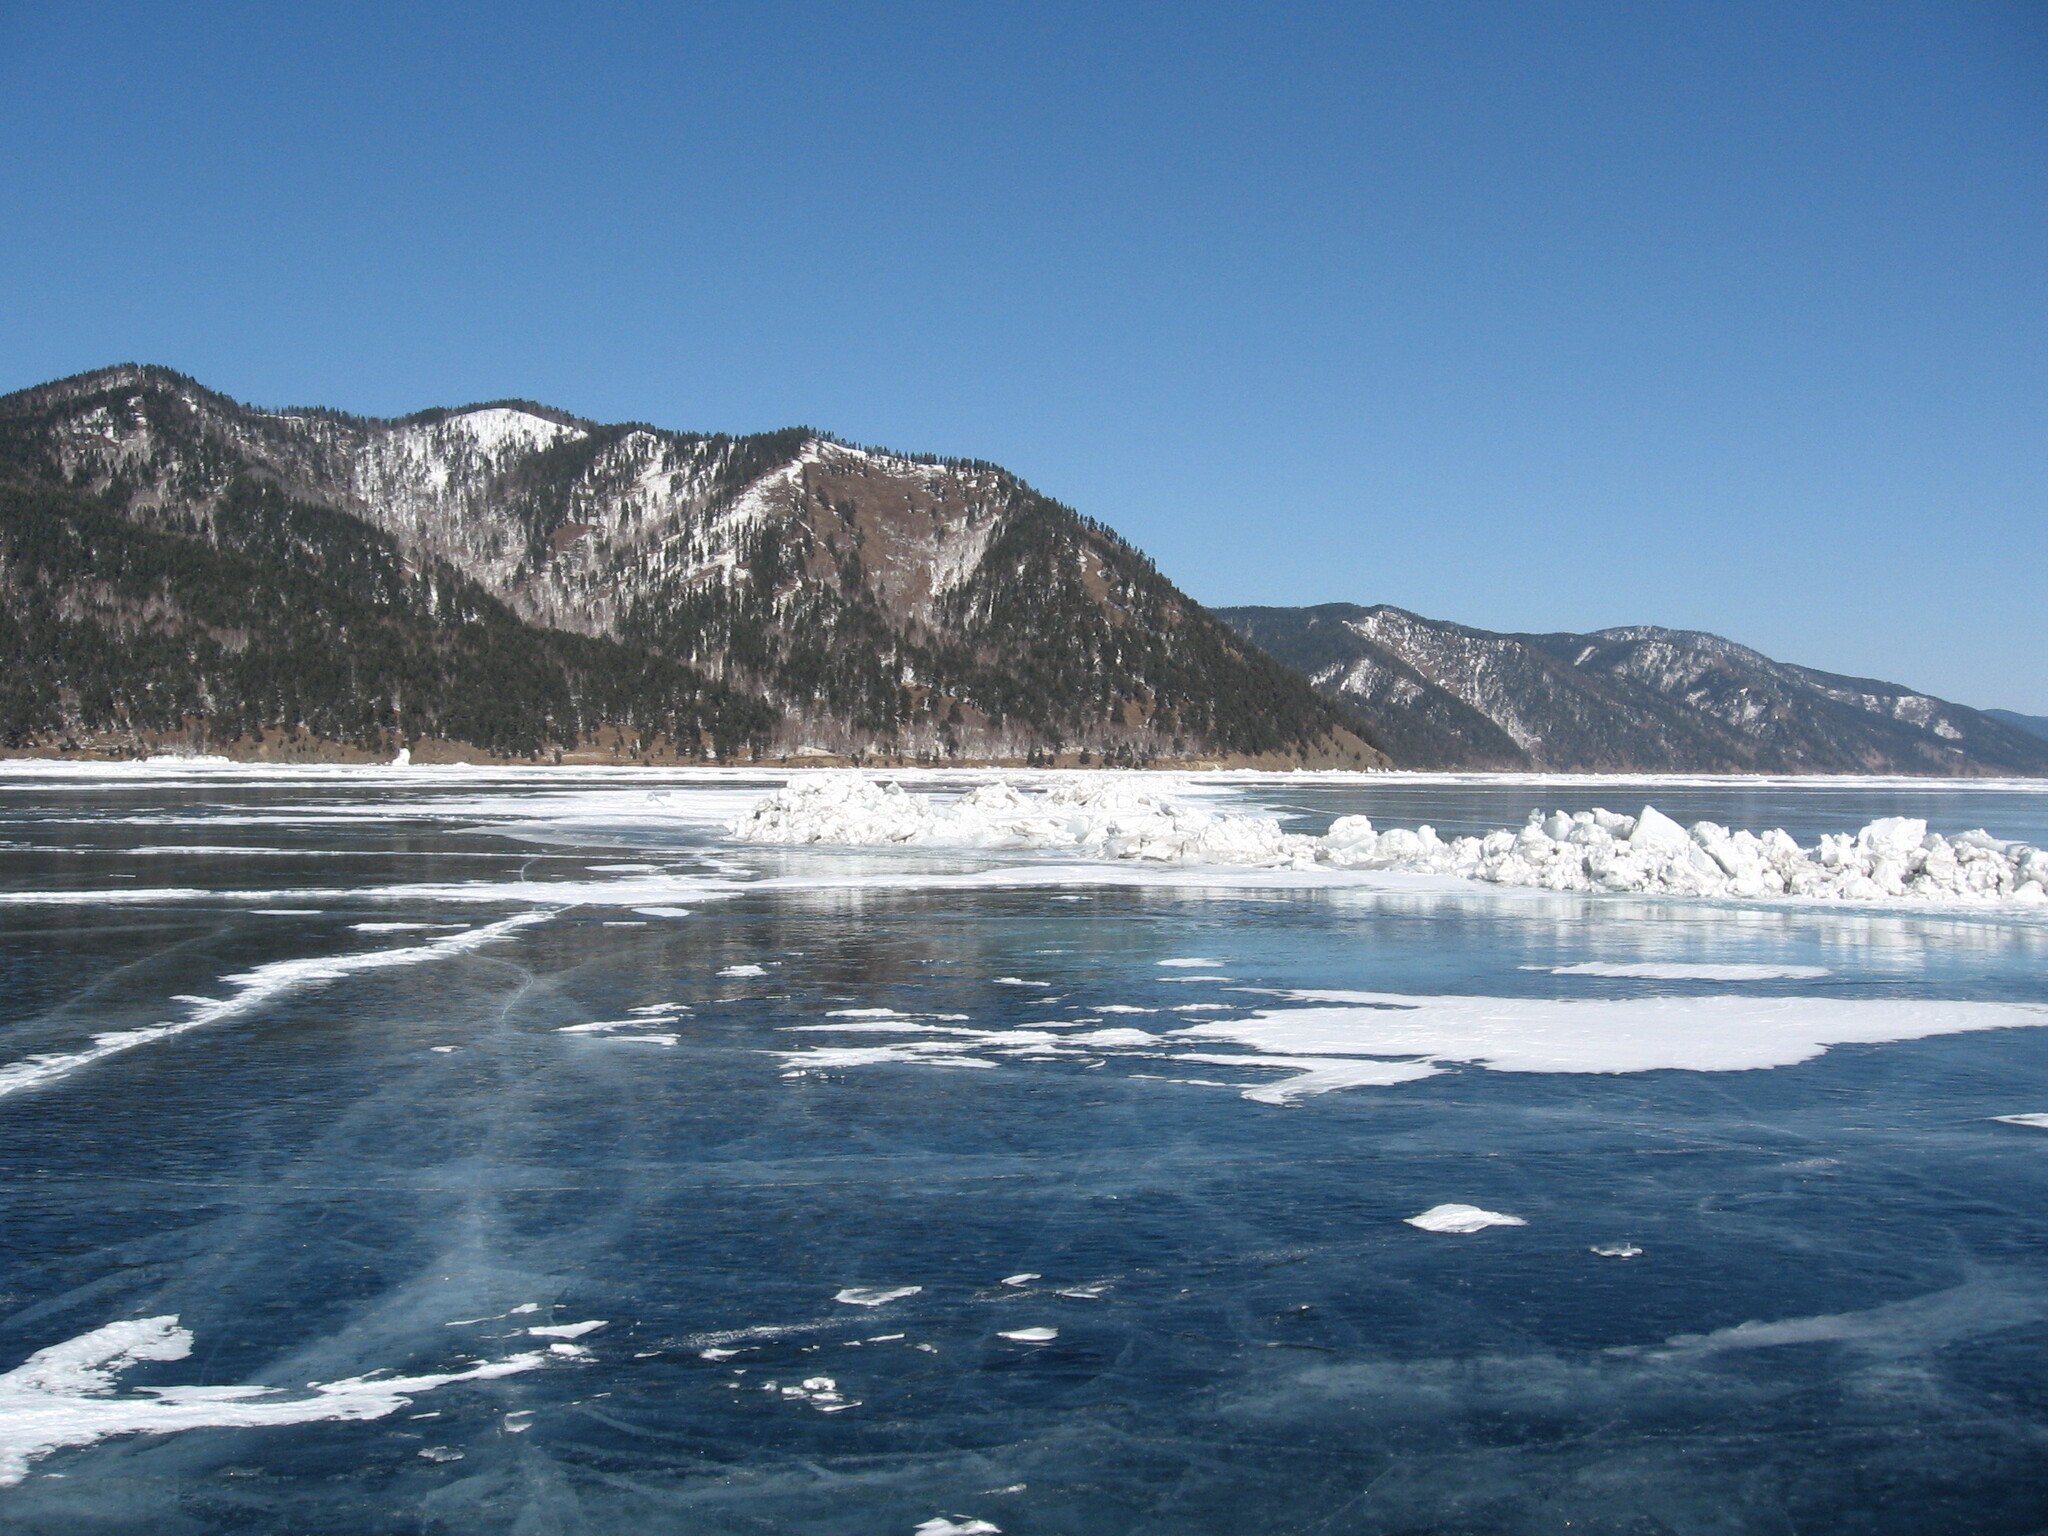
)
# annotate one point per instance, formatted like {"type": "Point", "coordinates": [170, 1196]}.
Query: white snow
{"type": "Point", "coordinates": [1661, 971]}
{"type": "Point", "coordinates": [1325, 1041]}
{"type": "Point", "coordinates": [251, 990]}
{"type": "Point", "coordinates": [926, 1053]}
{"type": "Point", "coordinates": [1461, 1219]}
{"type": "Point", "coordinates": [64, 1395]}
{"type": "Point", "coordinates": [1102, 1037]}
{"type": "Point", "coordinates": [1592, 1035]}
{"type": "Point", "coordinates": [567, 1330]}
{"type": "Point", "coordinates": [1108, 817]}
{"type": "Point", "coordinates": [1317, 1074]}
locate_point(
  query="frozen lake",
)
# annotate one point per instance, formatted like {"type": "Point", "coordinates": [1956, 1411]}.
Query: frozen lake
{"type": "Point", "coordinates": [607, 1174]}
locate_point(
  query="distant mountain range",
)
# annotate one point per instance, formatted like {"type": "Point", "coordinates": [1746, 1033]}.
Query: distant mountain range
{"type": "Point", "coordinates": [1441, 695]}
{"type": "Point", "coordinates": [181, 569]}
{"type": "Point", "coordinates": [506, 580]}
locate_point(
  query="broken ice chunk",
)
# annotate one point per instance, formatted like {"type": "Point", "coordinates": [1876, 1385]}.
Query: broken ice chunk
{"type": "Point", "coordinates": [1461, 1219]}
{"type": "Point", "coordinates": [567, 1330]}
{"type": "Point", "coordinates": [875, 1296]}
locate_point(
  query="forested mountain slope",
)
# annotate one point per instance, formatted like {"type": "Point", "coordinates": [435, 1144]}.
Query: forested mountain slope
{"type": "Point", "coordinates": [1441, 695]}
{"type": "Point", "coordinates": [2033, 725]}
{"type": "Point", "coordinates": [514, 578]}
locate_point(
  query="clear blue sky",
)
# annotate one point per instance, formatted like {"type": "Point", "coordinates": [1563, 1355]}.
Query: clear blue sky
{"type": "Point", "coordinates": [1534, 316]}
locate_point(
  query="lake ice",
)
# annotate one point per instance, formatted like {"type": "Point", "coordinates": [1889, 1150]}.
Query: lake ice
{"type": "Point", "coordinates": [1020, 1152]}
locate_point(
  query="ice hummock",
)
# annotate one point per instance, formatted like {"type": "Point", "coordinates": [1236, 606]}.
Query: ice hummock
{"type": "Point", "coordinates": [1106, 817]}
{"type": "Point", "coordinates": [1895, 858]}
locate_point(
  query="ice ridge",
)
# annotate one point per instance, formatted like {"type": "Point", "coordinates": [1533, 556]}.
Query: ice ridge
{"type": "Point", "coordinates": [1106, 817]}
{"type": "Point", "coordinates": [1896, 858]}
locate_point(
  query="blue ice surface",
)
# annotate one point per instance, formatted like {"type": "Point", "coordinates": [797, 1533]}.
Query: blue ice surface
{"type": "Point", "coordinates": [1837, 1320]}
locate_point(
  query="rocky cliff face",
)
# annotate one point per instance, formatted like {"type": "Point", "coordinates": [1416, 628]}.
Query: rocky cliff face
{"type": "Point", "coordinates": [1640, 699]}
{"type": "Point", "coordinates": [870, 603]}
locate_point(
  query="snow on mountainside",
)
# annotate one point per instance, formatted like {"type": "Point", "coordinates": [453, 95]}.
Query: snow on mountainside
{"type": "Point", "coordinates": [1639, 699]}
{"type": "Point", "coordinates": [874, 604]}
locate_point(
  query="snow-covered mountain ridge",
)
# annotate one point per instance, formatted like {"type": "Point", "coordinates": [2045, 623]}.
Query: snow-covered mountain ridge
{"type": "Point", "coordinates": [1633, 699]}
{"type": "Point", "coordinates": [874, 603]}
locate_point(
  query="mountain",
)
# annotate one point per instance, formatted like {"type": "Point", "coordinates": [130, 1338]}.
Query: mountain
{"type": "Point", "coordinates": [513, 580]}
{"type": "Point", "coordinates": [2033, 725]}
{"type": "Point", "coordinates": [1640, 699]}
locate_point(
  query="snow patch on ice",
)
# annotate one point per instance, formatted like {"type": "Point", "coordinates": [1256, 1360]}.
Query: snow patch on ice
{"type": "Point", "coordinates": [875, 1296]}
{"type": "Point", "coordinates": [1461, 1219]}
{"type": "Point", "coordinates": [1660, 971]}
{"type": "Point", "coordinates": [1598, 1035]}
{"type": "Point", "coordinates": [1317, 1074]}
{"type": "Point", "coordinates": [252, 989]}
{"type": "Point", "coordinates": [925, 1053]}
{"type": "Point", "coordinates": [1327, 1041]}
{"type": "Point", "coordinates": [566, 1330]}
{"type": "Point", "coordinates": [64, 1395]}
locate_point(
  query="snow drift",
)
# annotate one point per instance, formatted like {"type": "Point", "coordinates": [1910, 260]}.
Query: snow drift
{"type": "Point", "coordinates": [1114, 818]}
